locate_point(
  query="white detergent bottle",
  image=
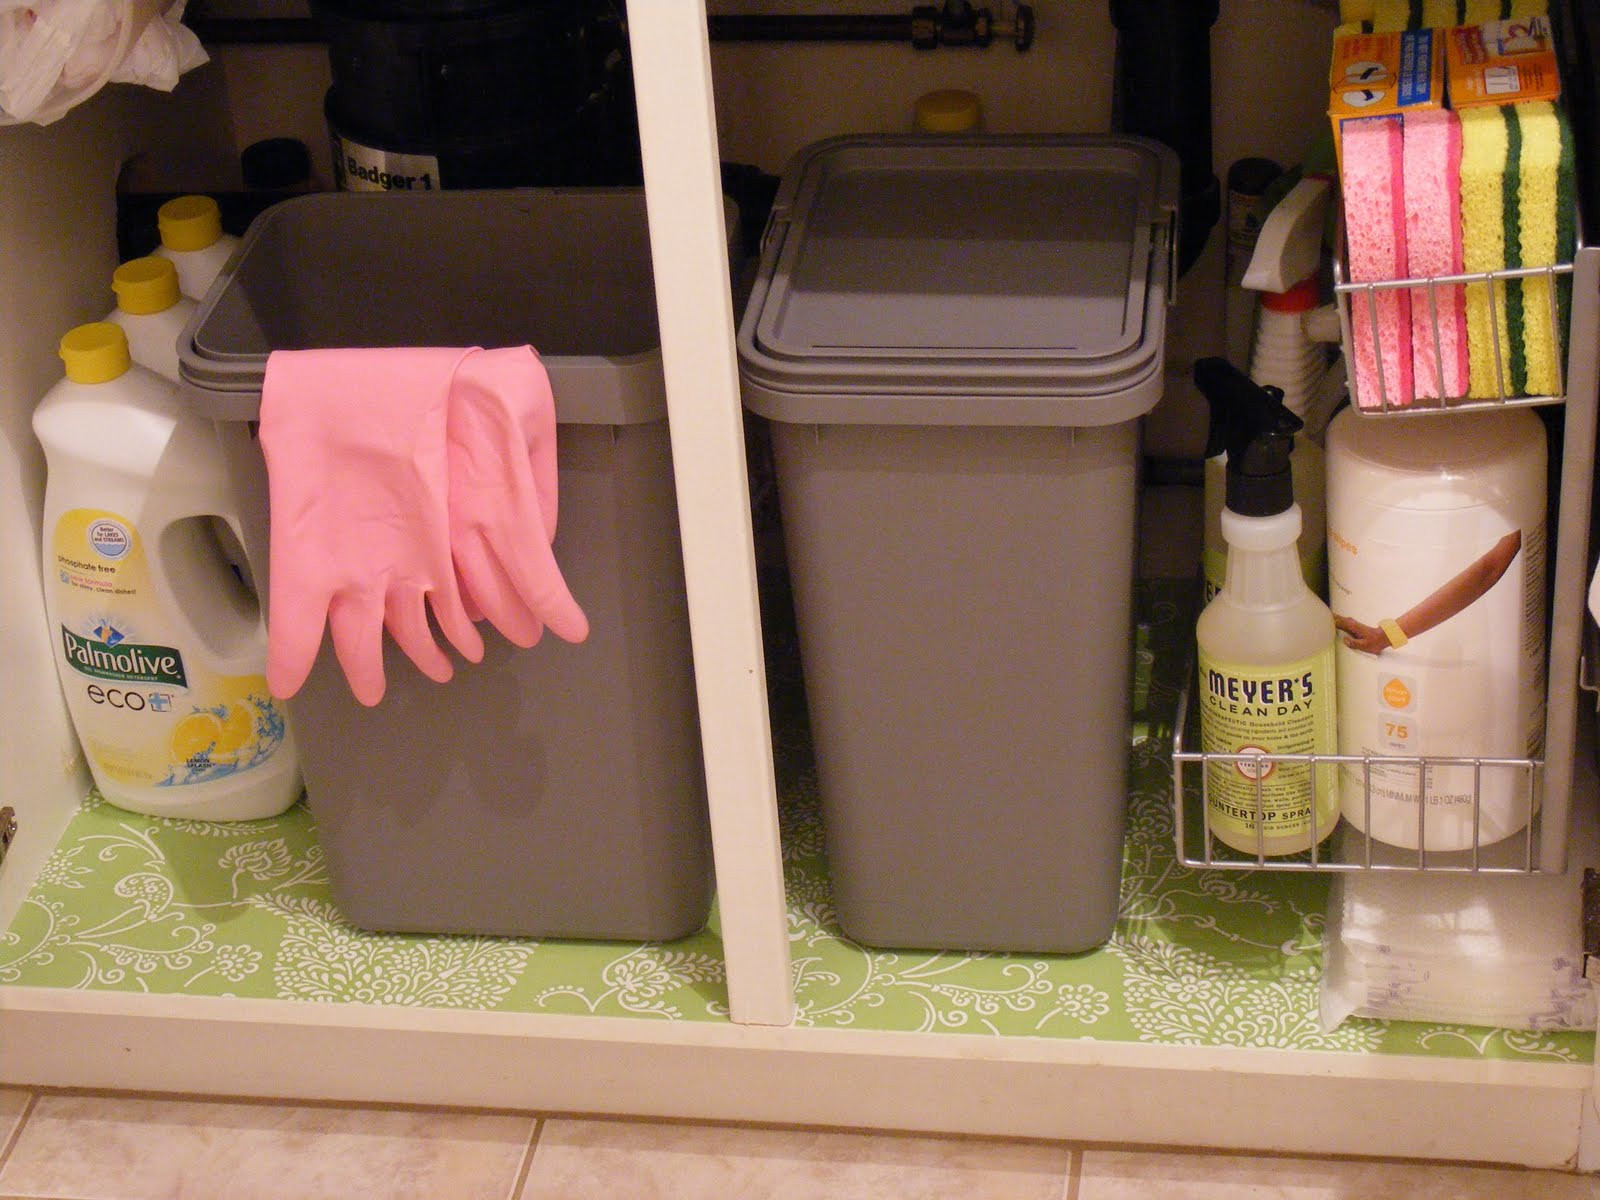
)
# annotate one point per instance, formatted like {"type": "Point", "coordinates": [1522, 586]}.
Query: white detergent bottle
{"type": "Point", "coordinates": [192, 237]}
{"type": "Point", "coordinates": [1436, 556]}
{"type": "Point", "coordinates": [160, 647]}
{"type": "Point", "coordinates": [152, 312]}
{"type": "Point", "coordinates": [1265, 646]}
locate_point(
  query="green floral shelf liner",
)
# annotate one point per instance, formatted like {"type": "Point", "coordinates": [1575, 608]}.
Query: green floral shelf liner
{"type": "Point", "coordinates": [1203, 958]}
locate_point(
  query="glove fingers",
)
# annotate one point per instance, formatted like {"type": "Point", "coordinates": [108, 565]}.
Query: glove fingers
{"type": "Point", "coordinates": [451, 614]}
{"type": "Point", "coordinates": [357, 630]}
{"type": "Point", "coordinates": [406, 619]}
{"type": "Point", "coordinates": [294, 635]}
{"type": "Point", "coordinates": [533, 572]}
{"type": "Point", "coordinates": [484, 584]}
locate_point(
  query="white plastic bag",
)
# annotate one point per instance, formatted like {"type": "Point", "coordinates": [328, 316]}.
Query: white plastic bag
{"type": "Point", "coordinates": [55, 54]}
{"type": "Point", "coordinates": [1464, 949]}
{"type": "Point", "coordinates": [1456, 949]}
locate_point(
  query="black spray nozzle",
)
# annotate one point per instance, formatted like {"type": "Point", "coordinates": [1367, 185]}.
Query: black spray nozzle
{"type": "Point", "coordinates": [1251, 422]}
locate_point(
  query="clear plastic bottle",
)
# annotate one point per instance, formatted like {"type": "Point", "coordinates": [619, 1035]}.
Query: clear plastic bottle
{"type": "Point", "coordinates": [1266, 647]}
{"type": "Point", "coordinates": [160, 648]}
{"type": "Point", "coordinates": [192, 237]}
{"type": "Point", "coordinates": [152, 311]}
{"type": "Point", "coordinates": [1284, 355]}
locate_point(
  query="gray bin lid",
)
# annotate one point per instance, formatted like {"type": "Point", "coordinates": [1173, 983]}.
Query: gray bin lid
{"type": "Point", "coordinates": [988, 280]}
{"type": "Point", "coordinates": [566, 270]}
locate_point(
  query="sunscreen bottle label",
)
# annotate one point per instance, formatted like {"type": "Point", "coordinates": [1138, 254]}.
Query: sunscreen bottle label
{"type": "Point", "coordinates": [1287, 708]}
{"type": "Point", "coordinates": [148, 715]}
{"type": "Point", "coordinates": [1467, 681]}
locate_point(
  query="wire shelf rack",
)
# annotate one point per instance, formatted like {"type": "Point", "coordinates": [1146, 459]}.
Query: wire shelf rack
{"type": "Point", "coordinates": [1352, 846]}
{"type": "Point", "coordinates": [1540, 784]}
{"type": "Point", "coordinates": [1434, 291]}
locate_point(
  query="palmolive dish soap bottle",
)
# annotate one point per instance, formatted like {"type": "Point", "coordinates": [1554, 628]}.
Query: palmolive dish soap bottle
{"type": "Point", "coordinates": [161, 649]}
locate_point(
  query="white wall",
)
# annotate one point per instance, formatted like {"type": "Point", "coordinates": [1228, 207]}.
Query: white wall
{"type": "Point", "coordinates": [57, 233]}
{"type": "Point", "coordinates": [58, 248]}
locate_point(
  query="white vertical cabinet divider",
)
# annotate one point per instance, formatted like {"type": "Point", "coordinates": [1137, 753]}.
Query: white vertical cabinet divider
{"type": "Point", "coordinates": [688, 242]}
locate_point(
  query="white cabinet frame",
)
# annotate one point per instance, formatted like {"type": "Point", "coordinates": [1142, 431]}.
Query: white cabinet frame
{"type": "Point", "coordinates": [760, 1067]}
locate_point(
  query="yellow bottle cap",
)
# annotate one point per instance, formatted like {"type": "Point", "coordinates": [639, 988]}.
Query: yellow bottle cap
{"type": "Point", "coordinates": [948, 111]}
{"type": "Point", "coordinates": [189, 222]}
{"type": "Point", "coordinates": [145, 285]}
{"type": "Point", "coordinates": [1355, 10]}
{"type": "Point", "coordinates": [95, 353]}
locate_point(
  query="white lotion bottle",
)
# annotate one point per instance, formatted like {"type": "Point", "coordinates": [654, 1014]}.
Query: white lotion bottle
{"type": "Point", "coordinates": [1437, 547]}
{"type": "Point", "coordinates": [1265, 647]}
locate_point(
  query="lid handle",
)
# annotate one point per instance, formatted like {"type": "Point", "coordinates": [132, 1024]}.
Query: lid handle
{"type": "Point", "coordinates": [1166, 236]}
{"type": "Point", "coordinates": [777, 226]}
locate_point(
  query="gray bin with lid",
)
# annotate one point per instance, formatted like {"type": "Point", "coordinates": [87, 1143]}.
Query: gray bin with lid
{"type": "Point", "coordinates": [952, 340]}
{"type": "Point", "coordinates": [556, 791]}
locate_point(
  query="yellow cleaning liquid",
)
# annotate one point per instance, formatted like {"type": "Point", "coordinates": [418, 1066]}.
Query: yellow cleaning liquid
{"type": "Point", "coordinates": [160, 646]}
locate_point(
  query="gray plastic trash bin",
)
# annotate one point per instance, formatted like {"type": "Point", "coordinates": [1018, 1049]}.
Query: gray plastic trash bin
{"type": "Point", "coordinates": [551, 792]}
{"type": "Point", "coordinates": [952, 340]}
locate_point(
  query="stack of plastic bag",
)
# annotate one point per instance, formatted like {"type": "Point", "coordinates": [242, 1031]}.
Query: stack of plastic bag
{"type": "Point", "coordinates": [55, 54]}
{"type": "Point", "coordinates": [1503, 951]}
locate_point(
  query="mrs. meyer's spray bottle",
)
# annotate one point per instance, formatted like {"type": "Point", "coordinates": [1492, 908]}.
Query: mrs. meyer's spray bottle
{"type": "Point", "coordinates": [160, 647]}
{"type": "Point", "coordinates": [1266, 644]}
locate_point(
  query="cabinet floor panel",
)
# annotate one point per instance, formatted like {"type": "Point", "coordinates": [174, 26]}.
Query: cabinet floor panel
{"type": "Point", "coordinates": [1198, 958]}
{"type": "Point", "coordinates": [134, 904]}
{"type": "Point", "coordinates": [141, 904]}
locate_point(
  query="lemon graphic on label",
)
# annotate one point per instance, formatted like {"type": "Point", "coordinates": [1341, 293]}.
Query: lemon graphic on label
{"type": "Point", "coordinates": [236, 731]}
{"type": "Point", "coordinates": [195, 738]}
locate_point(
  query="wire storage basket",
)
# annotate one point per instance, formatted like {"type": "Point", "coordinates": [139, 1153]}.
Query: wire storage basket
{"type": "Point", "coordinates": [1536, 789]}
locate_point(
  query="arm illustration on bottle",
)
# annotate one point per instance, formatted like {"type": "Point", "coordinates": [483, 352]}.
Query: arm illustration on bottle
{"type": "Point", "coordinates": [1438, 607]}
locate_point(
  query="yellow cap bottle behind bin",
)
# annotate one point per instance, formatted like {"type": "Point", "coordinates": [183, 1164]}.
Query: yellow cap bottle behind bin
{"type": "Point", "coordinates": [948, 110]}
{"type": "Point", "coordinates": [95, 353]}
{"type": "Point", "coordinates": [192, 237]}
{"type": "Point", "coordinates": [146, 285]}
{"type": "Point", "coordinates": [152, 312]}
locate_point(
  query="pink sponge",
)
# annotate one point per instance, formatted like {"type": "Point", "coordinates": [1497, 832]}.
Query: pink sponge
{"type": "Point", "coordinates": [1373, 184]}
{"type": "Point", "coordinates": [1433, 247]}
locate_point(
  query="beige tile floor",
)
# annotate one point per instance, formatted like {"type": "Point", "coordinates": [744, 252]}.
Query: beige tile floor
{"type": "Point", "coordinates": [57, 1145]}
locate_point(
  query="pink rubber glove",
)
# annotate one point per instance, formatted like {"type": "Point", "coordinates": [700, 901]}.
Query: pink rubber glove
{"type": "Point", "coordinates": [502, 448]}
{"type": "Point", "coordinates": [357, 482]}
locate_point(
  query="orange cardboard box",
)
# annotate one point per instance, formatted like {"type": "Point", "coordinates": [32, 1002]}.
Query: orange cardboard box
{"type": "Point", "coordinates": [1375, 74]}
{"type": "Point", "coordinates": [1501, 62]}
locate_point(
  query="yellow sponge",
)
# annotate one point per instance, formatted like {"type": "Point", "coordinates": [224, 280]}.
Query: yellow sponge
{"type": "Point", "coordinates": [1484, 145]}
{"type": "Point", "coordinates": [1545, 236]}
{"type": "Point", "coordinates": [1389, 16]}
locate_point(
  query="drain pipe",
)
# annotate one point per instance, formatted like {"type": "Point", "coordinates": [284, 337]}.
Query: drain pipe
{"type": "Point", "coordinates": [926, 27]}
{"type": "Point", "coordinates": [955, 23]}
{"type": "Point", "coordinates": [1163, 91]}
